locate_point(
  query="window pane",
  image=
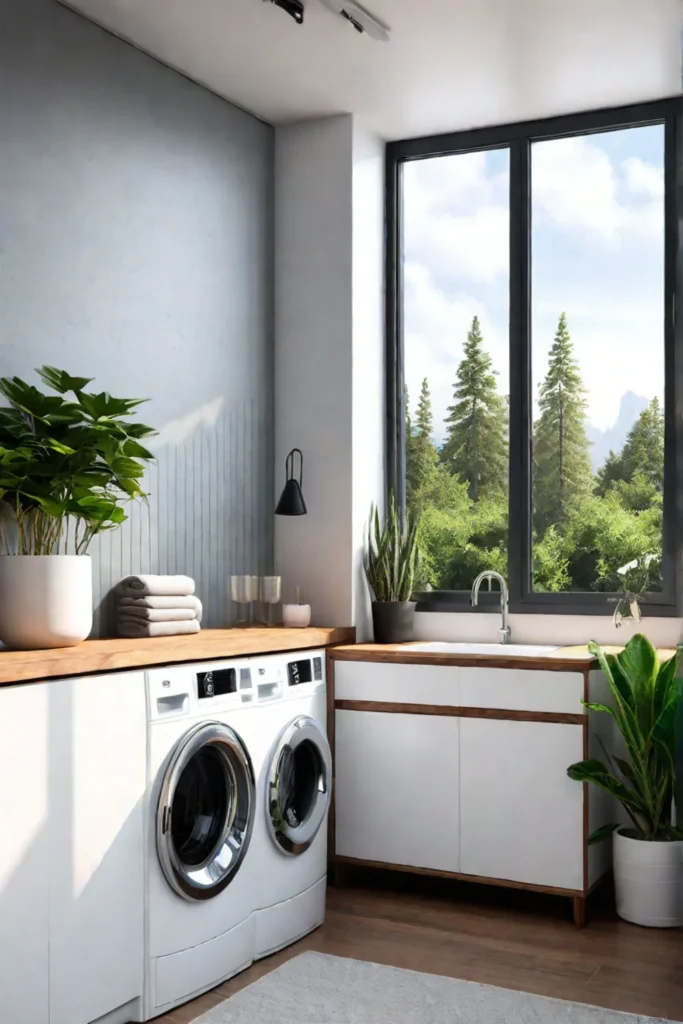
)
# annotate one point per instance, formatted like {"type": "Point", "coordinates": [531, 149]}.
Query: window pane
{"type": "Point", "coordinates": [598, 360]}
{"type": "Point", "coordinates": [456, 312]}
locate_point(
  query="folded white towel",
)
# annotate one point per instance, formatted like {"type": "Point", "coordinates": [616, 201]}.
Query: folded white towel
{"type": "Point", "coordinates": [136, 628]}
{"type": "Point", "coordinates": [147, 585]}
{"type": "Point", "coordinates": [156, 614]}
{"type": "Point", "coordinates": [175, 601]}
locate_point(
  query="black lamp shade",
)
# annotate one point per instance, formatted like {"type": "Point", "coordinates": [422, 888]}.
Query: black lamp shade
{"type": "Point", "coordinates": [291, 501]}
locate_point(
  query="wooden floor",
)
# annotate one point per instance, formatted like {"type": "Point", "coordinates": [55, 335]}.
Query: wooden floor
{"type": "Point", "coordinates": [498, 938]}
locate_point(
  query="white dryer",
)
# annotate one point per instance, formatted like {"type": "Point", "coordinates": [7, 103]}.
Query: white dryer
{"type": "Point", "coordinates": [221, 887]}
{"type": "Point", "coordinates": [289, 851]}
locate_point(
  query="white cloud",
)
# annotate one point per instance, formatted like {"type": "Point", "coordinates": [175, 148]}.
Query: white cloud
{"type": "Point", "coordinates": [576, 186]}
{"type": "Point", "coordinates": [457, 218]}
{"type": "Point", "coordinates": [644, 179]}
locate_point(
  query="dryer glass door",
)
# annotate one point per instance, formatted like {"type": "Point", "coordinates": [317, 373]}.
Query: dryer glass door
{"type": "Point", "coordinates": [299, 785]}
{"type": "Point", "coordinates": [206, 811]}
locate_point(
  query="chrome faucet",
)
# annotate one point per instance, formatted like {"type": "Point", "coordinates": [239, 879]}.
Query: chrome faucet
{"type": "Point", "coordinates": [490, 574]}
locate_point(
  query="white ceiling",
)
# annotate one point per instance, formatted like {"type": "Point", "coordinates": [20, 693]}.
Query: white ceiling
{"type": "Point", "coordinates": [450, 63]}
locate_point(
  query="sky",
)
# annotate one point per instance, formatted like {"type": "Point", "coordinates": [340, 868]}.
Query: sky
{"type": "Point", "coordinates": [597, 255]}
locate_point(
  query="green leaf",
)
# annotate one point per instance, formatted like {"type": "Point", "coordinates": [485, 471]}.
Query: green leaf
{"type": "Point", "coordinates": [58, 446]}
{"type": "Point", "coordinates": [595, 771]}
{"type": "Point", "coordinates": [136, 450]}
{"type": "Point", "coordinates": [624, 767]}
{"type": "Point", "coordinates": [602, 833]}
{"type": "Point", "coordinates": [60, 380]}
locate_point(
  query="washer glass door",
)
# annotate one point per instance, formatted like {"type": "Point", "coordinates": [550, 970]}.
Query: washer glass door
{"type": "Point", "coordinates": [299, 785]}
{"type": "Point", "coordinates": [206, 811]}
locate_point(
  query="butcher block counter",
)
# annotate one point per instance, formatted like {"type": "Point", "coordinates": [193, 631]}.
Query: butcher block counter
{"type": "Point", "coordinates": [118, 654]}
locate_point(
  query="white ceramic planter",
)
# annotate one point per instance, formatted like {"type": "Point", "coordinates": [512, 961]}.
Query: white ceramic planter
{"type": "Point", "coordinates": [45, 600]}
{"type": "Point", "coordinates": [648, 879]}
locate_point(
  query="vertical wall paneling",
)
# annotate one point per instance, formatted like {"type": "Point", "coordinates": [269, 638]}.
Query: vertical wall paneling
{"type": "Point", "coordinates": [136, 247]}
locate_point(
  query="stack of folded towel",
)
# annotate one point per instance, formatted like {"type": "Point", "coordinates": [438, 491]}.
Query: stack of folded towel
{"type": "Point", "coordinates": [157, 606]}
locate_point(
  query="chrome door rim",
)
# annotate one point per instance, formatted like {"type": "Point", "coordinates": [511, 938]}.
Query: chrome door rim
{"type": "Point", "coordinates": [206, 880]}
{"type": "Point", "coordinates": [296, 840]}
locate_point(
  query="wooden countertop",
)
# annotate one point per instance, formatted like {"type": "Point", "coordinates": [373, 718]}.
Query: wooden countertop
{"type": "Point", "coordinates": [564, 659]}
{"type": "Point", "coordinates": [115, 655]}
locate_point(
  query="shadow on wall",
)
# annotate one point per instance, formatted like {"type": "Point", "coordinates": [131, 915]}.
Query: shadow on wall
{"type": "Point", "coordinates": [209, 514]}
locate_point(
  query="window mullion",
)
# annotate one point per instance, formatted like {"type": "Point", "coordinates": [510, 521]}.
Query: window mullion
{"type": "Point", "coordinates": [519, 548]}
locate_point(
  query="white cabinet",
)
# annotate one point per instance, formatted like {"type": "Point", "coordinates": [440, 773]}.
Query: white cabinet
{"type": "Point", "coordinates": [98, 772]}
{"type": "Point", "coordinates": [72, 779]}
{"type": "Point", "coordinates": [26, 758]}
{"type": "Point", "coordinates": [397, 789]}
{"type": "Point", "coordinates": [478, 785]}
{"type": "Point", "coordinates": [521, 817]}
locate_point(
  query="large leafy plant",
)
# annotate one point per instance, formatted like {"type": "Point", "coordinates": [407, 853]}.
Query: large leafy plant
{"type": "Point", "coordinates": [392, 556]}
{"type": "Point", "coordinates": [646, 699]}
{"type": "Point", "coordinates": [68, 463]}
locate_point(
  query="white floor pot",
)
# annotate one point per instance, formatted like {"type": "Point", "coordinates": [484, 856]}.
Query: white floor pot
{"type": "Point", "coordinates": [45, 600]}
{"type": "Point", "coordinates": [648, 879]}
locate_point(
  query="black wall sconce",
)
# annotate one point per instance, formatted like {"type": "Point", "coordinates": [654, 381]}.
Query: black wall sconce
{"type": "Point", "coordinates": [291, 501]}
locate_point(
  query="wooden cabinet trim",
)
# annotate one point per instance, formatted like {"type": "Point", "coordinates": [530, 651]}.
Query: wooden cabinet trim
{"type": "Point", "coordinates": [496, 714]}
{"type": "Point", "coordinates": [505, 883]}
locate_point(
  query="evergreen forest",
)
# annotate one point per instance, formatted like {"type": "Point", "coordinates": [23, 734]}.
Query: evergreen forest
{"type": "Point", "coordinates": [586, 524]}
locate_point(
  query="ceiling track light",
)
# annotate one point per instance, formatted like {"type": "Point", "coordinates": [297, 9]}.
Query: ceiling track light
{"type": "Point", "coordinates": [294, 8]}
{"type": "Point", "coordinates": [360, 18]}
{"type": "Point", "coordinates": [356, 15]}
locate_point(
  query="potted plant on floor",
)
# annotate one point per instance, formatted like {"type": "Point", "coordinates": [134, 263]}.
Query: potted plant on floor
{"type": "Point", "coordinates": [391, 563]}
{"type": "Point", "coordinates": [68, 462]}
{"type": "Point", "coordinates": [648, 853]}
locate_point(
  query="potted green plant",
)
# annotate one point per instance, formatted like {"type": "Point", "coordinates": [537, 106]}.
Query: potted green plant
{"type": "Point", "coordinates": [633, 582]}
{"type": "Point", "coordinates": [648, 853]}
{"type": "Point", "coordinates": [391, 563]}
{"type": "Point", "coordinates": [68, 462]}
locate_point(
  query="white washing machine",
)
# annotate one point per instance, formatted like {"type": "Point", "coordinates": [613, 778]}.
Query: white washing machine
{"type": "Point", "coordinates": [221, 887]}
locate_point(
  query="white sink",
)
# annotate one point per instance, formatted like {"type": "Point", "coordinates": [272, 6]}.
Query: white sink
{"type": "Point", "coordinates": [492, 650]}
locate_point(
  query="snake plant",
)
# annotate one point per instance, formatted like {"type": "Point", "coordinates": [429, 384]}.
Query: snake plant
{"type": "Point", "coordinates": [646, 708]}
{"type": "Point", "coordinates": [392, 555]}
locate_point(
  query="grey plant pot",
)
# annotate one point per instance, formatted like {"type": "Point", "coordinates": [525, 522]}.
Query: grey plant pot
{"type": "Point", "coordinates": [393, 621]}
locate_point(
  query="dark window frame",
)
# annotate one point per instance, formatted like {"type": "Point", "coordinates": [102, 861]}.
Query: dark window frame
{"type": "Point", "coordinates": [518, 138]}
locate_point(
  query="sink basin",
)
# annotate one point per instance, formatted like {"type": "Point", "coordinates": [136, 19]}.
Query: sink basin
{"type": "Point", "coordinates": [491, 650]}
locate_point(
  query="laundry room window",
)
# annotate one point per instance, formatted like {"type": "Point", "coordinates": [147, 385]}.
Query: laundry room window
{"type": "Point", "coordinates": [535, 358]}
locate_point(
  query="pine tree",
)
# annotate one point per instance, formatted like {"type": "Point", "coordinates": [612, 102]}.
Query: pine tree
{"type": "Point", "coordinates": [423, 419]}
{"type": "Point", "coordinates": [562, 465]}
{"type": "Point", "coordinates": [637, 472]}
{"type": "Point", "coordinates": [476, 447]}
{"type": "Point", "coordinates": [421, 454]}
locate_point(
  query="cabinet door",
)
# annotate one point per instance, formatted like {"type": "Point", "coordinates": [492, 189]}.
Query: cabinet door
{"type": "Point", "coordinates": [521, 817]}
{"type": "Point", "coordinates": [397, 788]}
{"type": "Point", "coordinates": [96, 831]}
{"type": "Point", "coordinates": [26, 757]}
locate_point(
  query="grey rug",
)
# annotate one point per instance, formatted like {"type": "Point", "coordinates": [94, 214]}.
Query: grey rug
{"type": "Point", "coordinates": [318, 989]}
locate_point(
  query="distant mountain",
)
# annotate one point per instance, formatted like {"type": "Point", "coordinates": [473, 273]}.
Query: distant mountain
{"type": "Point", "coordinates": [613, 438]}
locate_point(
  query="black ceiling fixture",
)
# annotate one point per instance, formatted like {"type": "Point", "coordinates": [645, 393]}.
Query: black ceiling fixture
{"type": "Point", "coordinates": [294, 8]}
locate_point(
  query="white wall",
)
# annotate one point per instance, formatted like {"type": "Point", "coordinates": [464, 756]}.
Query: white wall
{"type": "Point", "coordinates": [329, 356]}
{"type": "Point", "coordinates": [368, 380]}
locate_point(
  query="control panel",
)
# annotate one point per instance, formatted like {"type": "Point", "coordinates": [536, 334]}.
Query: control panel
{"type": "Point", "coordinates": [305, 670]}
{"type": "Point", "coordinates": [216, 683]}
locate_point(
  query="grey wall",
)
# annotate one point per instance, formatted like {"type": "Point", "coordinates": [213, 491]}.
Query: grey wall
{"type": "Point", "coordinates": [136, 247]}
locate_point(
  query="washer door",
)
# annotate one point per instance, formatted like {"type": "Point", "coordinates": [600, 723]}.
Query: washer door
{"type": "Point", "coordinates": [206, 811]}
{"type": "Point", "coordinates": [299, 785]}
